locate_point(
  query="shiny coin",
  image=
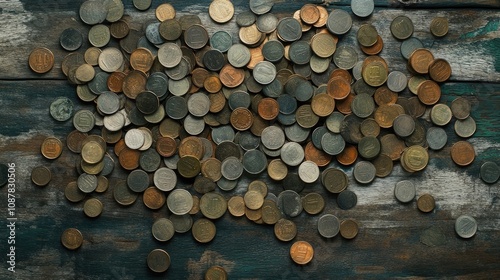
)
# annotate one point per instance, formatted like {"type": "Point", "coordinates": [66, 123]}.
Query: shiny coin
{"type": "Point", "coordinates": [92, 207]}
{"type": "Point", "coordinates": [465, 226]}
{"type": "Point", "coordinates": [221, 11]}
{"type": "Point", "coordinates": [349, 229]}
{"type": "Point", "coordinates": [420, 60]}
{"type": "Point", "coordinates": [328, 225]}
{"type": "Point", "coordinates": [405, 191]}
{"type": "Point", "coordinates": [158, 260]}
{"type": "Point", "coordinates": [465, 128]}
{"type": "Point", "coordinates": [439, 26]}
{"type": "Point", "coordinates": [436, 138]}
{"type": "Point", "coordinates": [203, 230]}
{"type": "Point", "coordinates": [72, 238]}
{"type": "Point", "coordinates": [426, 203]}
{"type": "Point", "coordinates": [179, 202]}
{"type": "Point", "coordinates": [308, 171]}
{"type": "Point", "coordinates": [163, 229]}
{"type": "Point", "coordinates": [401, 27]}
{"type": "Point", "coordinates": [347, 199]}
{"type": "Point", "coordinates": [364, 172]}
{"type": "Point", "coordinates": [462, 153]}
{"type": "Point", "coordinates": [41, 60]}
{"type": "Point", "coordinates": [489, 172]}
{"type": "Point", "coordinates": [414, 158]}
{"type": "Point", "coordinates": [301, 252]}
{"type": "Point", "coordinates": [41, 176]}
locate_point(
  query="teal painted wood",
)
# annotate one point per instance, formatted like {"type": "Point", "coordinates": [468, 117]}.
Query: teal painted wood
{"type": "Point", "coordinates": [389, 244]}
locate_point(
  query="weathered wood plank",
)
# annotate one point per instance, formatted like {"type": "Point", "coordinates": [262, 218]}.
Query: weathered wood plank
{"type": "Point", "coordinates": [470, 46]}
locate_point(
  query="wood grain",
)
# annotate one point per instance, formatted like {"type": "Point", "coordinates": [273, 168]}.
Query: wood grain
{"type": "Point", "coordinates": [390, 243]}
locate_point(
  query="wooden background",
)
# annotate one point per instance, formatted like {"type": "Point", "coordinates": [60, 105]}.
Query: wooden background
{"type": "Point", "coordinates": [395, 240]}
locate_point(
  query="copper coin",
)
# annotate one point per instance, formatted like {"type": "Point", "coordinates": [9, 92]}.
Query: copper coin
{"type": "Point", "coordinates": [216, 272]}
{"type": "Point", "coordinates": [41, 176]}
{"type": "Point", "coordinates": [153, 198]}
{"type": "Point", "coordinates": [74, 141]}
{"type": "Point", "coordinates": [392, 146]}
{"type": "Point", "coordinates": [429, 92]}
{"type": "Point", "coordinates": [141, 59]}
{"type": "Point", "coordinates": [385, 114]}
{"type": "Point", "coordinates": [191, 146]}
{"type": "Point", "coordinates": [374, 49]}
{"type": "Point", "coordinates": [322, 104]}
{"type": "Point", "coordinates": [51, 148]}
{"type": "Point", "coordinates": [166, 146]}
{"type": "Point", "coordinates": [217, 102]}
{"type": "Point", "coordinates": [383, 95]}
{"type": "Point", "coordinates": [440, 70]}
{"type": "Point", "coordinates": [134, 83]}
{"type": "Point", "coordinates": [426, 203]}
{"type": "Point", "coordinates": [41, 60]}
{"type": "Point", "coordinates": [420, 60]}
{"type": "Point", "coordinates": [301, 252]}
{"type": "Point", "coordinates": [119, 146]}
{"type": "Point", "coordinates": [212, 84]}
{"type": "Point", "coordinates": [231, 77]}
{"type": "Point", "coordinates": [341, 73]}
{"type": "Point", "coordinates": [198, 76]}
{"type": "Point", "coordinates": [316, 155]}
{"type": "Point", "coordinates": [462, 153]}
{"type": "Point", "coordinates": [309, 13]}
{"type": "Point", "coordinates": [241, 118]}
{"type": "Point", "coordinates": [348, 156]}
{"type": "Point", "coordinates": [72, 238]}
{"type": "Point", "coordinates": [115, 81]}
{"type": "Point", "coordinates": [129, 158]}
{"type": "Point", "coordinates": [210, 168]}
{"type": "Point", "coordinates": [338, 88]}
{"type": "Point", "coordinates": [344, 105]}
{"type": "Point", "coordinates": [268, 108]}
{"type": "Point", "coordinates": [349, 229]}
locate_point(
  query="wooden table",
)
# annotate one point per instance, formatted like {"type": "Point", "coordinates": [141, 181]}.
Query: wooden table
{"type": "Point", "coordinates": [395, 240]}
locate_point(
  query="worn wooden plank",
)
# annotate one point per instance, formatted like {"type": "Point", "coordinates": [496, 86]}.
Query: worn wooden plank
{"type": "Point", "coordinates": [470, 46]}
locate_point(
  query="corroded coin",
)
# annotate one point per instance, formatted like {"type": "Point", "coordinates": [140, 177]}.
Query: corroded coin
{"type": "Point", "coordinates": [41, 176]}
{"type": "Point", "coordinates": [51, 147]}
{"type": "Point", "coordinates": [213, 205]}
{"type": "Point", "coordinates": [301, 252]}
{"type": "Point", "coordinates": [463, 153]}
{"type": "Point", "coordinates": [349, 229]}
{"type": "Point", "coordinates": [158, 260]}
{"type": "Point", "coordinates": [72, 238]}
{"type": "Point", "coordinates": [426, 203]}
{"type": "Point", "coordinates": [203, 230]}
{"type": "Point", "coordinates": [489, 172]}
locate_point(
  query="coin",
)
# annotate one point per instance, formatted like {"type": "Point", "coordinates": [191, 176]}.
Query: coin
{"type": "Point", "coordinates": [401, 27]}
{"type": "Point", "coordinates": [339, 22]}
{"type": "Point", "coordinates": [221, 11]}
{"type": "Point", "coordinates": [429, 92]}
{"type": "Point", "coordinates": [440, 70]}
{"type": "Point", "coordinates": [404, 191]}
{"type": "Point", "coordinates": [213, 205]}
{"type": "Point", "coordinates": [364, 172]}
{"type": "Point", "coordinates": [489, 172]}
{"type": "Point", "coordinates": [165, 11]}
{"type": "Point", "coordinates": [285, 230]}
{"type": "Point", "coordinates": [216, 272]}
{"type": "Point", "coordinates": [436, 138]}
{"type": "Point", "coordinates": [72, 238]}
{"type": "Point", "coordinates": [51, 148]}
{"type": "Point", "coordinates": [367, 35]}
{"type": "Point", "coordinates": [465, 226]}
{"type": "Point", "coordinates": [41, 60]}
{"type": "Point", "coordinates": [420, 60]}
{"type": "Point", "coordinates": [347, 199]}
{"type": "Point", "coordinates": [334, 180]}
{"type": "Point", "coordinates": [439, 26]}
{"type": "Point", "coordinates": [313, 203]}
{"type": "Point", "coordinates": [203, 230]}
{"type": "Point", "coordinates": [41, 176]}
{"type": "Point", "coordinates": [301, 252]}
{"type": "Point", "coordinates": [92, 207]}
{"type": "Point", "coordinates": [426, 203]}
{"type": "Point", "coordinates": [349, 229]}
{"type": "Point", "coordinates": [462, 153]}
{"type": "Point", "coordinates": [465, 128]}
{"type": "Point", "coordinates": [158, 260]}
{"type": "Point", "coordinates": [460, 107]}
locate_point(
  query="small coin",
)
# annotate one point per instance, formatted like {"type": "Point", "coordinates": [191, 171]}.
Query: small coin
{"type": "Point", "coordinates": [158, 260]}
{"type": "Point", "coordinates": [72, 238]}
{"type": "Point", "coordinates": [401, 27]}
{"type": "Point", "coordinates": [347, 199]}
{"type": "Point", "coordinates": [436, 138]}
{"type": "Point", "coordinates": [41, 60]}
{"type": "Point", "coordinates": [426, 203]}
{"type": "Point", "coordinates": [405, 191]}
{"type": "Point", "coordinates": [203, 230]}
{"type": "Point", "coordinates": [51, 148]}
{"type": "Point", "coordinates": [440, 70]}
{"type": "Point", "coordinates": [465, 226]}
{"type": "Point", "coordinates": [465, 128]}
{"type": "Point", "coordinates": [41, 176]}
{"type": "Point", "coordinates": [462, 153]}
{"type": "Point", "coordinates": [460, 107]}
{"type": "Point", "coordinates": [92, 207]}
{"type": "Point", "coordinates": [349, 229]}
{"type": "Point", "coordinates": [216, 272]}
{"type": "Point", "coordinates": [221, 11]}
{"type": "Point", "coordinates": [420, 60]}
{"type": "Point", "coordinates": [163, 229]}
{"type": "Point", "coordinates": [301, 252]}
{"type": "Point", "coordinates": [489, 172]}
{"type": "Point", "coordinates": [364, 172]}
{"type": "Point", "coordinates": [439, 26]}
{"type": "Point", "coordinates": [328, 225]}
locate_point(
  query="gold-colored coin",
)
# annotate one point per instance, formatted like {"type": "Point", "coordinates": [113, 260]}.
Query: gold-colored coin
{"type": "Point", "coordinates": [285, 230]}
{"type": "Point", "coordinates": [92, 152]}
{"type": "Point", "coordinates": [277, 169]}
{"type": "Point", "coordinates": [250, 35]}
{"type": "Point", "coordinates": [221, 11]}
{"type": "Point", "coordinates": [85, 73]}
{"type": "Point", "coordinates": [153, 198]}
{"type": "Point", "coordinates": [216, 272]}
{"type": "Point", "coordinates": [141, 59]}
{"type": "Point", "coordinates": [439, 26]}
{"type": "Point", "coordinates": [51, 147]}
{"type": "Point", "coordinates": [426, 203]}
{"type": "Point", "coordinates": [253, 199]}
{"type": "Point", "coordinates": [323, 104]}
{"type": "Point", "coordinates": [236, 206]}
{"type": "Point", "coordinates": [349, 229]}
{"type": "Point", "coordinates": [253, 215]}
{"type": "Point", "coordinates": [158, 260]}
{"type": "Point", "coordinates": [196, 206]}
{"type": "Point", "coordinates": [323, 44]}
{"type": "Point", "coordinates": [92, 169]}
{"type": "Point", "coordinates": [301, 252]}
{"type": "Point", "coordinates": [72, 238]}
{"type": "Point", "coordinates": [210, 168]}
{"type": "Point", "coordinates": [203, 230]}
{"type": "Point", "coordinates": [92, 207]}
{"type": "Point", "coordinates": [73, 193]}
{"type": "Point", "coordinates": [270, 212]}
{"type": "Point", "coordinates": [258, 185]}
{"type": "Point", "coordinates": [415, 158]}
{"type": "Point", "coordinates": [375, 74]}
{"type": "Point", "coordinates": [213, 205]}
{"type": "Point", "coordinates": [102, 184]}
{"type": "Point", "coordinates": [165, 11]}
{"type": "Point", "coordinates": [313, 203]}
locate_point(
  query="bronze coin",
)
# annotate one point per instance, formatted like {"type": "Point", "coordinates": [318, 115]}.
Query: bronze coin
{"type": "Point", "coordinates": [463, 153]}
{"type": "Point", "coordinates": [301, 252]}
{"type": "Point", "coordinates": [344, 105]}
{"type": "Point", "coordinates": [51, 148]}
{"type": "Point", "coordinates": [141, 59]}
{"type": "Point", "coordinates": [440, 70]}
{"type": "Point", "coordinates": [216, 272]}
{"type": "Point", "coordinates": [374, 49]}
{"type": "Point", "coordinates": [129, 158]}
{"type": "Point", "coordinates": [241, 119]}
{"type": "Point", "coordinates": [166, 146]}
{"type": "Point", "coordinates": [115, 81]}
{"type": "Point", "coordinates": [309, 13]}
{"type": "Point", "coordinates": [231, 77]}
{"type": "Point", "coordinates": [74, 141]}
{"type": "Point", "coordinates": [268, 108]}
{"type": "Point", "coordinates": [420, 60]}
{"type": "Point", "coordinates": [191, 146]}
{"type": "Point", "coordinates": [341, 73]}
{"type": "Point", "coordinates": [41, 176]}
{"type": "Point", "coordinates": [153, 198]}
{"type": "Point", "coordinates": [349, 229]}
{"type": "Point", "coordinates": [383, 95]}
{"type": "Point", "coordinates": [429, 92]}
{"type": "Point", "coordinates": [212, 84]}
{"type": "Point", "coordinates": [72, 238]}
{"type": "Point", "coordinates": [188, 166]}
{"type": "Point", "coordinates": [426, 203]}
{"type": "Point", "coordinates": [316, 155]}
{"type": "Point", "coordinates": [338, 88]}
{"type": "Point", "coordinates": [348, 156]}
{"type": "Point", "coordinates": [322, 104]}
{"type": "Point", "coordinates": [41, 60]}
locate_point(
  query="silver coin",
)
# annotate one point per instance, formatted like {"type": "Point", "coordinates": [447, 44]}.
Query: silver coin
{"type": "Point", "coordinates": [297, 133]}
{"type": "Point", "coordinates": [267, 23]}
{"type": "Point", "coordinates": [114, 122]}
{"type": "Point", "coordinates": [238, 55]}
{"type": "Point", "coordinates": [273, 137]}
{"type": "Point", "coordinates": [83, 120]}
{"type": "Point", "coordinates": [409, 45]}
{"type": "Point", "coordinates": [93, 12]}
{"type": "Point", "coordinates": [363, 105]}
{"type": "Point", "coordinates": [489, 172]}
{"type": "Point", "coordinates": [465, 226]}
{"type": "Point", "coordinates": [169, 55]}
{"type": "Point", "coordinates": [264, 72]}
{"type": "Point", "coordinates": [364, 172]}
{"type": "Point", "coordinates": [328, 225]}
{"type": "Point", "coordinates": [332, 143]}
{"type": "Point", "coordinates": [231, 168]}
{"type": "Point", "coordinates": [345, 57]}
{"type": "Point", "coordinates": [362, 8]}
{"type": "Point", "coordinates": [165, 179]}
{"type": "Point", "coordinates": [397, 81]}
{"type": "Point", "coordinates": [61, 109]}
{"type": "Point", "coordinates": [222, 133]}
{"type": "Point", "coordinates": [134, 139]}
{"type": "Point", "coordinates": [179, 202]}
{"type": "Point", "coordinates": [436, 138]}
{"type": "Point", "coordinates": [339, 22]}
{"type": "Point", "coordinates": [108, 103]}
{"type": "Point", "coordinates": [404, 191]}
{"type": "Point", "coordinates": [182, 223]}
{"type": "Point", "coordinates": [308, 171]}
{"type": "Point", "coordinates": [227, 185]}
{"type": "Point", "coordinates": [465, 128]}
{"type": "Point", "coordinates": [180, 87]}
{"type": "Point", "coordinates": [292, 153]}
{"type": "Point", "coordinates": [254, 161]}
{"type": "Point", "coordinates": [260, 7]}
{"type": "Point", "coordinates": [193, 125]}
{"type": "Point", "coordinates": [290, 203]}
{"type": "Point", "coordinates": [198, 104]}
{"type": "Point", "coordinates": [138, 180]}
{"type": "Point", "coordinates": [356, 70]}
{"type": "Point", "coordinates": [404, 125]}
{"type": "Point", "coordinates": [163, 229]}
{"type": "Point", "coordinates": [171, 162]}
{"type": "Point", "coordinates": [110, 60]}
{"type": "Point", "coordinates": [87, 183]}
{"type": "Point", "coordinates": [334, 122]}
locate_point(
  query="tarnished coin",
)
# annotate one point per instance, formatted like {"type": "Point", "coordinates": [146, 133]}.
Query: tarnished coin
{"type": "Point", "coordinates": [401, 27]}
{"type": "Point", "coordinates": [41, 60]}
{"type": "Point", "coordinates": [364, 172]}
{"type": "Point", "coordinates": [313, 203]}
{"type": "Point", "coordinates": [216, 272]}
{"type": "Point", "coordinates": [436, 138]}
{"type": "Point", "coordinates": [301, 252]}
{"type": "Point", "coordinates": [203, 230]}
{"type": "Point", "coordinates": [163, 229]}
{"type": "Point", "coordinates": [440, 70]}
{"type": "Point", "coordinates": [72, 238]}
{"type": "Point", "coordinates": [349, 229]}
{"type": "Point", "coordinates": [213, 205]}
{"type": "Point", "coordinates": [460, 107]}
{"type": "Point", "coordinates": [489, 172]}
{"type": "Point", "coordinates": [51, 147]}
{"type": "Point", "coordinates": [362, 8]}
{"type": "Point", "coordinates": [347, 199]}
{"type": "Point", "coordinates": [285, 230]}
{"type": "Point", "coordinates": [41, 176]}
{"type": "Point", "coordinates": [465, 128]}
{"type": "Point", "coordinates": [462, 153]}
{"type": "Point", "coordinates": [405, 191]}
{"type": "Point", "coordinates": [465, 226]}
{"type": "Point", "coordinates": [328, 225]}
{"type": "Point", "coordinates": [61, 109]}
{"type": "Point", "coordinates": [290, 203]}
{"type": "Point", "coordinates": [158, 260]}
{"type": "Point", "coordinates": [439, 26]}
{"type": "Point", "coordinates": [426, 203]}
{"type": "Point", "coordinates": [92, 207]}
{"type": "Point", "coordinates": [339, 22]}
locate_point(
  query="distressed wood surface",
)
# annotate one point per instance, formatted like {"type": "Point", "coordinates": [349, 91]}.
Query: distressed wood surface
{"type": "Point", "coordinates": [392, 240]}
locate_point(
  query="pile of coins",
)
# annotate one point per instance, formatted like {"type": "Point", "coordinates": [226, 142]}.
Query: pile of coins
{"type": "Point", "coordinates": [285, 99]}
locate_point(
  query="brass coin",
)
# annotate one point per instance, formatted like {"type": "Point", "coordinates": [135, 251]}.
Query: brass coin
{"type": "Point", "coordinates": [313, 203]}
{"type": "Point", "coordinates": [270, 212]}
{"type": "Point", "coordinates": [92, 152]}
{"type": "Point", "coordinates": [277, 169]}
{"type": "Point", "coordinates": [153, 198]}
{"type": "Point", "coordinates": [375, 74]}
{"type": "Point", "coordinates": [188, 166]}
{"type": "Point", "coordinates": [191, 146]}
{"type": "Point", "coordinates": [285, 230]}
{"type": "Point", "coordinates": [236, 206]}
{"type": "Point", "coordinates": [426, 203]}
{"type": "Point", "coordinates": [259, 186]}
{"type": "Point", "coordinates": [241, 118]}
{"type": "Point", "coordinates": [203, 230]}
{"type": "Point", "coordinates": [72, 238]}
{"type": "Point", "coordinates": [196, 206]}
{"type": "Point", "coordinates": [415, 158]}
{"type": "Point", "coordinates": [51, 148]}
{"type": "Point", "coordinates": [253, 199]}
{"type": "Point", "coordinates": [141, 59]}
{"type": "Point", "coordinates": [349, 229]}
{"type": "Point", "coordinates": [73, 193]}
{"type": "Point", "coordinates": [439, 26]}
{"type": "Point", "coordinates": [165, 11]}
{"type": "Point", "coordinates": [322, 104]}
{"type": "Point", "coordinates": [41, 60]}
{"type": "Point", "coordinates": [216, 272]}
{"type": "Point", "coordinates": [463, 153]}
{"type": "Point", "coordinates": [440, 70]}
{"type": "Point", "coordinates": [253, 215]}
{"type": "Point", "coordinates": [213, 205]}
{"type": "Point", "coordinates": [158, 260]}
{"type": "Point", "coordinates": [221, 11]}
{"type": "Point", "coordinates": [210, 168]}
{"type": "Point", "coordinates": [309, 13]}
{"type": "Point", "coordinates": [301, 252]}
{"type": "Point", "coordinates": [41, 176]}
{"type": "Point", "coordinates": [92, 207]}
